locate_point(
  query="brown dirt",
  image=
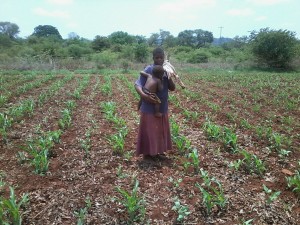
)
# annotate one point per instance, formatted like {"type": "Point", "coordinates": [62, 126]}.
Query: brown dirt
{"type": "Point", "coordinates": [72, 177]}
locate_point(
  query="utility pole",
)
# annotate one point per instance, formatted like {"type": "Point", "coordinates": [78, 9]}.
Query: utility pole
{"type": "Point", "coordinates": [220, 34]}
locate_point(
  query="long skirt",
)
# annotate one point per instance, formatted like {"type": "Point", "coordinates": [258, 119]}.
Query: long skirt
{"type": "Point", "coordinates": [154, 135]}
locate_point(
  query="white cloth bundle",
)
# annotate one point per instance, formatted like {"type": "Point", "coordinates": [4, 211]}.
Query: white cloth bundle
{"type": "Point", "coordinates": [169, 68]}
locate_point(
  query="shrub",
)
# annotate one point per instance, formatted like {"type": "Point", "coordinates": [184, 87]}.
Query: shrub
{"type": "Point", "coordinates": [274, 48]}
{"type": "Point", "coordinates": [198, 56]}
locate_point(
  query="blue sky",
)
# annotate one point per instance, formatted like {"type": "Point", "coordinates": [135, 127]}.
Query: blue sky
{"type": "Point", "coordinates": [88, 18]}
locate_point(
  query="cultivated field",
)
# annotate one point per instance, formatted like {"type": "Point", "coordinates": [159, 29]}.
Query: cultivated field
{"type": "Point", "coordinates": [68, 142]}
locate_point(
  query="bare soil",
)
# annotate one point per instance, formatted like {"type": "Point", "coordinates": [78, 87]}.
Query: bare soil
{"type": "Point", "coordinates": [73, 177]}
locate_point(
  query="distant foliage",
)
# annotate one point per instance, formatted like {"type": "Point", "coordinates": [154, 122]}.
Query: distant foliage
{"type": "Point", "coordinates": [275, 48]}
{"type": "Point", "coordinates": [11, 30]}
{"type": "Point", "coordinates": [46, 31]}
{"type": "Point", "coordinates": [198, 56]}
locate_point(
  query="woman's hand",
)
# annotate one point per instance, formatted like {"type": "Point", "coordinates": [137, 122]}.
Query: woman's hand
{"type": "Point", "coordinates": [150, 98]}
{"type": "Point", "coordinates": [145, 97]}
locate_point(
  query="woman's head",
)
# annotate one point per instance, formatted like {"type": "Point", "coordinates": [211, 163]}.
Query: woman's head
{"type": "Point", "coordinates": [158, 56]}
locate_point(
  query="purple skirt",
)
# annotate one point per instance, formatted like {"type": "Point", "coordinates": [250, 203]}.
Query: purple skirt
{"type": "Point", "coordinates": [154, 135]}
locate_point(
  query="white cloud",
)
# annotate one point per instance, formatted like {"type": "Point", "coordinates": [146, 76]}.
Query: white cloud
{"type": "Point", "coordinates": [185, 5]}
{"type": "Point", "coordinates": [240, 12]}
{"type": "Point", "coordinates": [54, 13]}
{"type": "Point", "coordinates": [60, 2]}
{"type": "Point", "coordinates": [261, 18]}
{"type": "Point", "coordinates": [268, 2]}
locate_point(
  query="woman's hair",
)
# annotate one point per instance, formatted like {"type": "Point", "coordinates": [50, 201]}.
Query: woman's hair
{"type": "Point", "coordinates": [158, 51]}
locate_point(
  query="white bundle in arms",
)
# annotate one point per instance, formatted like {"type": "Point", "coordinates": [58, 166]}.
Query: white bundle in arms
{"type": "Point", "coordinates": [169, 68]}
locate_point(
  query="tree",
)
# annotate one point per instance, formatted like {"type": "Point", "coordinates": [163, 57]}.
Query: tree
{"type": "Point", "coordinates": [100, 43]}
{"type": "Point", "coordinates": [73, 36]}
{"type": "Point", "coordinates": [195, 38]}
{"type": "Point", "coordinates": [140, 39]}
{"type": "Point", "coordinates": [9, 29]}
{"type": "Point", "coordinates": [154, 39]}
{"type": "Point", "coordinates": [276, 48]}
{"type": "Point", "coordinates": [121, 38]}
{"type": "Point", "coordinates": [163, 38]}
{"type": "Point", "coordinates": [46, 31]}
{"type": "Point", "coordinates": [141, 52]}
{"type": "Point", "coordinates": [186, 38]}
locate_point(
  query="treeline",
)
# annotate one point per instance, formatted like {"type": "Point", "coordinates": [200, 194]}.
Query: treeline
{"type": "Point", "coordinates": [46, 49]}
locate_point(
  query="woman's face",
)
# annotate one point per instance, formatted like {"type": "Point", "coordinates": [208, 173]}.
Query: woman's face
{"type": "Point", "coordinates": [158, 59]}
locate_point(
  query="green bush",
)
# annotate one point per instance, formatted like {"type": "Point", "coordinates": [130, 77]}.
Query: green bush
{"type": "Point", "coordinates": [198, 56]}
{"type": "Point", "coordinates": [105, 59]}
{"type": "Point", "coordinates": [275, 48]}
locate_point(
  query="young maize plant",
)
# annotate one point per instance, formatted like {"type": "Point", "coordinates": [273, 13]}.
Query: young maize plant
{"type": "Point", "coordinates": [252, 163]}
{"type": "Point", "coordinates": [271, 196]}
{"type": "Point", "coordinates": [213, 131]}
{"type": "Point", "coordinates": [212, 192]}
{"type": "Point", "coordinates": [182, 210]}
{"type": "Point", "coordinates": [10, 209]}
{"type": "Point", "coordinates": [82, 213]}
{"type": "Point", "coordinates": [294, 181]}
{"type": "Point", "coordinates": [134, 204]}
{"type": "Point", "coordinates": [230, 139]}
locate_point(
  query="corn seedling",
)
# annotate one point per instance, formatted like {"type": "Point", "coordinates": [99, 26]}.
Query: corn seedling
{"type": "Point", "coordinates": [134, 204]}
{"type": "Point", "coordinates": [21, 157]}
{"type": "Point", "coordinates": [174, 128]}
{"type": "Point", "coordinates": [76, 94]}
{"type": "Point", "coordinates": [236, 164]}
{"type": "Point", "coordinates": [5, 123]}
{"type": "Point", "coordinates": [213, 196]}
{"type": "Point", "coordinates": [195, 161]}
{"type": "Point", "coordinates": [214, 107]}
{"type": "Point", "coordinates": [3, 100]}
{"type": "Point", "coordinates": [175, 182]}
{"type": "Point", "coordinates": [40, 160]}
{"type": "Point", "coordinates": [294, 182]}
{"type": "Point", "coordinates": [2, 184]}
{"type": "Point", "coordinates": [278, 141]}
{"type": "Point", "coordinates": [181, 210]}
{"type": "Point", "coordinates": [82, 213]}
{"type": "Point", "coordinates": [252, 163]}
{"type": "Point", "coordinates": [230, 139]}
{"type": "Point", "coordinates": [191, 115]}
{"type": "Point", "coordinates": [117, 141]}
{"type": "Point", "coordinates": [10, 209]}
{"type": "Point", "coordinates": [272, 196]}
{"type": "Point", "coordinates": [182, 143]}
{"type": "Point", "coordinates": [245, 124]}
{"type": "Point", "coordinates": [85, 143]}
{"type": "Point", "coordinates": [213, 131]}
{"type": "Point", "coordinates": [106, 88]}
{"type": "Point", "coordinates": [263, 132]}
{"type": "Point", "coordinates": [246, 222]}
{"type": "Point", "coordinates": [65, 120]}
{"type": "Point", "coordinates": [108, 107]}
{"type": "Point", "coordinates": [40, 150]}
{"type": "Point", "coordinates": [128, 155]}
{"type": "Point", "coordinates": [120, 172]}
{"type": "Point", "coordinates": [70, 105]}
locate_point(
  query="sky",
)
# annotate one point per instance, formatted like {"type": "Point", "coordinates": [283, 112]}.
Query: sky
{"type": "Point", "coordinates": [89, 18]}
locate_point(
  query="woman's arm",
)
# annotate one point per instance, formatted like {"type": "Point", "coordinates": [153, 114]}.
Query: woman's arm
{"type": "Point", "coordinates": [148, 98]}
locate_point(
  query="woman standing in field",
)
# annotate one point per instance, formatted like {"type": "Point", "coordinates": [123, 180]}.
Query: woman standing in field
{"type": "Point", "coordinates": [154, 136]}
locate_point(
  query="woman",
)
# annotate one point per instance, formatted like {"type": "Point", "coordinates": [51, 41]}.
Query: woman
{"type": "Point", "coordinates": [154, 136]}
